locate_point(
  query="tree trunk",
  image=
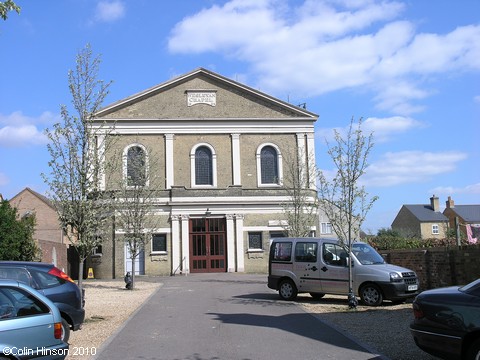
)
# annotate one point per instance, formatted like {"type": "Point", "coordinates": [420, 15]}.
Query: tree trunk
{"type": "Point", "coordinates": [133, 271]}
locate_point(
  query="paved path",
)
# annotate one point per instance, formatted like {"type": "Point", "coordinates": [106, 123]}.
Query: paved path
{"type": "Point", "coordinates": [226, 317]}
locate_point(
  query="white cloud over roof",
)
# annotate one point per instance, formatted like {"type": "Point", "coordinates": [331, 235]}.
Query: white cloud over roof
{"type": "Point", "coordinates": [319, 47]}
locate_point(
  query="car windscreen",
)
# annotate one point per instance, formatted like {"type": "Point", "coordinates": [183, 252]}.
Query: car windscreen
{"type": "Point", "coordinates": [472, 288]}
{"type": "Point", "coordinates": [367, 254]}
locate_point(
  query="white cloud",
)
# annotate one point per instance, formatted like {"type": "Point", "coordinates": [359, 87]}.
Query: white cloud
{"type": "Point", "coordinates": [383, 129]}
{"type": "Point", "coordinates": [19, 130]}
{"type": "Point", "coordinates": [324, 46]}
{"type": "Point", "coordinates": [451, 190]}
{"type": "Point", "coordinates": [411, 167]}
{"type": "Point", "coordinates": [109, 11]}
{"type": "Point", "coordinates": [3, 179]}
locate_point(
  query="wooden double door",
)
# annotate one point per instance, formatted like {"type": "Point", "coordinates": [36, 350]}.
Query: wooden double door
{"type": "Point", "coordinates": [208, 245]}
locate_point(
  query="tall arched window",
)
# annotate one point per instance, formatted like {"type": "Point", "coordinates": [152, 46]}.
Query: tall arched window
{"type": "Point", "coordinates": [269, 165]}
{"type": "Point", "coordinates": [203, 166]}
{"type": "Point", "coordinates": [136, 166]}
{"type": "Point", "coordinates": [203, 162]}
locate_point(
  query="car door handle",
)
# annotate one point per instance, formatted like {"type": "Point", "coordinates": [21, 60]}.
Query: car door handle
{"type": "Point", "coordinates": [324, 269]}
{"type": "Point", "coordinates": [313, 268]}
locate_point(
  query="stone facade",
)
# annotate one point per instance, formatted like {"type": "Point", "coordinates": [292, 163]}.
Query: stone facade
{"type": "Point", "coordinates": [208, 227]}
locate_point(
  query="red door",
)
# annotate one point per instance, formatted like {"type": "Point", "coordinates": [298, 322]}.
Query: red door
{"type": "Point", "coordinates": [208, 245]}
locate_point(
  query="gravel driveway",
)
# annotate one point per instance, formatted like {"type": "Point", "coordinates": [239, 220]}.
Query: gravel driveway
{"type": "Point", "coordinates": [383, 329]}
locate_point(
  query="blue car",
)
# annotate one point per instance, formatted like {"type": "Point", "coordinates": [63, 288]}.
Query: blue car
{"type": "Point", "coordinates": [55, 285]}
{"type": "Point", "coordinates": [30, 324]}
{"type": "Point", "coordinates": [447, 321]}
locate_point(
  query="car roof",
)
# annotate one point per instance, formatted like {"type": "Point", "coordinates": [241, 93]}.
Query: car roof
{"type": "Point", "coordinates": [26, 263]}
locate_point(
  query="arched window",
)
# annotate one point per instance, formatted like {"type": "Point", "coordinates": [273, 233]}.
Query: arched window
{"type": "Point", "coordinates": [269, 165]}
{"type": "Point", "coordinates": [136, 166]}
{"type": "Point", "coordinates": [203, 163]}
{"type": "Point", "coordinates": [203, 166]}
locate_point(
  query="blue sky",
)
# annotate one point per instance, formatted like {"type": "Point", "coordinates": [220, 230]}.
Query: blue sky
{"type": "Point", "coordinates": [410, 69]}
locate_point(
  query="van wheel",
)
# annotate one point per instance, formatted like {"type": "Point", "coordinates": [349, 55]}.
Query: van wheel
{"type": "Point", "coordinates": [371, 295]}
{"type": "Point", "coordinates": [65, 330]}
{"type": "Point", "coordinates": [287, 290]}
{"type": "Point", "coordinates": [317, 295]}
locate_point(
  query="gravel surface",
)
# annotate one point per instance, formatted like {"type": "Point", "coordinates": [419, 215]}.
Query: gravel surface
{"type": "Point", "coordinates": [384, 329]}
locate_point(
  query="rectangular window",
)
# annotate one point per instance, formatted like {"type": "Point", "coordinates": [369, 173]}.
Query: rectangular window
{"type": "Point", "coordinates": [277, 234]}
{"type": "Point", "coordinates": [435, 230]}
{"type": "Point", "coordinates": [255, 240]}
{"type": "Point", "coordinates": [159, 243]}
{"type": "Point", "coordinates": [282, 251]}
{"type": "Point", "coordinates": [326, 228]}
{"type": "Point", "coordinates": [306, 251]}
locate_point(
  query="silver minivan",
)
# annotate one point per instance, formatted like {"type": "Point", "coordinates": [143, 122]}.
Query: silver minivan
{"type": "Point", "coordinates": [320, 266]}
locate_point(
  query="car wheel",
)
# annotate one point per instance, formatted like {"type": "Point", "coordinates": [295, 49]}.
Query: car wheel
{"type": "Point", "coordinates": [65, 330]}
{"type": "Point", "coordinates": [371, 295]}
{"type": "Point", "coordinates": [287, 290]}
{"type": "Point", "coordinates": [317, 295]}
{"type": "Point", "coordinates": [473, 352]}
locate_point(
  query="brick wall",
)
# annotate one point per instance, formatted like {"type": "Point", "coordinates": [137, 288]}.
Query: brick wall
{"type": "Point", "coordinates": [439, 267]}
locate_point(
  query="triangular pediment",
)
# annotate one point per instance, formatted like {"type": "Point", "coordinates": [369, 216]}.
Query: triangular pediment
{"type": "Point", "coordinates": [202, 94]}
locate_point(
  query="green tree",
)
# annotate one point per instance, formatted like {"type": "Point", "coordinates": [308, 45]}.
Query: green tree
{"type": "Point", "coordinates": [343, 200]}
{"type": "Point", "coordinates": [16, 235]}
{"type": "Point", "coordinates": [77, 149]}
{"type": "Point", "coordinates": [6, 6]}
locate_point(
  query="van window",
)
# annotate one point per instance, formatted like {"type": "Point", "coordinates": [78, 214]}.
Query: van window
{"type": "Point", "coordinates": [306, 251]}
{"type": "Point", "coordinates": [334, 255]}
{"type": "Point", "coordinates": [282, 251]}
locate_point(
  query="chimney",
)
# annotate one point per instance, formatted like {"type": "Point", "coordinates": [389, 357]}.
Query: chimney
{"type": "Point", "coordinates": [450, 203]}
{"type": "Point", "coordinates": [434, 203]}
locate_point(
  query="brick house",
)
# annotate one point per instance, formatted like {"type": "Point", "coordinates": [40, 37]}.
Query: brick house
{"type": "Point", "coordinates": [48, 234]}
{"type": "Point", "coordinates": [464, 216]}
{"type": "Point", "coordinates": [221, 149]}
{"type": "Point", "coordinates": [422, 220]}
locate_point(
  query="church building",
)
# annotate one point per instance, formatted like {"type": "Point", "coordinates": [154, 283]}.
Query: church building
{"type": "Point", "coordinates": [221, 152]}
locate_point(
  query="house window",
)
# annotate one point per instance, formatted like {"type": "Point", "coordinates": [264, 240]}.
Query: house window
{"type": "Point", "coordinates": [136, 166]}
{"type": "Point", "coordinates": [326, 228]}
{"type": "Point", "coordinates": [255, 240]}
{"type": "Point", "coordinates": [269, 165]}
{"type": "Point", "coordinates": [277, 234]}
{"type": "Point", "coordinates": [159, 243]}
{"type": "Point", "coordinates": [435, 229]}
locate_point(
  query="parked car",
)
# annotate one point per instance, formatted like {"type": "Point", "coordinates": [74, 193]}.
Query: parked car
{"type": "Point", "coordinates": [55, 285]}
{"type": "Point", "coordinates": [30, 324]}
{"type": "Point", "coordinates": [321, 266]}
{"type": "Point", "coordinates": [447, 321]}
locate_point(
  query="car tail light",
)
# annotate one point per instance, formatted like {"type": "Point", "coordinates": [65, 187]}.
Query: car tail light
{"type": "Point", "coordinates": [417, 312]}
{"type": "Point", "coordinates": [59, 273]}
{"type": "Point", "coordinates": [57, 330]}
